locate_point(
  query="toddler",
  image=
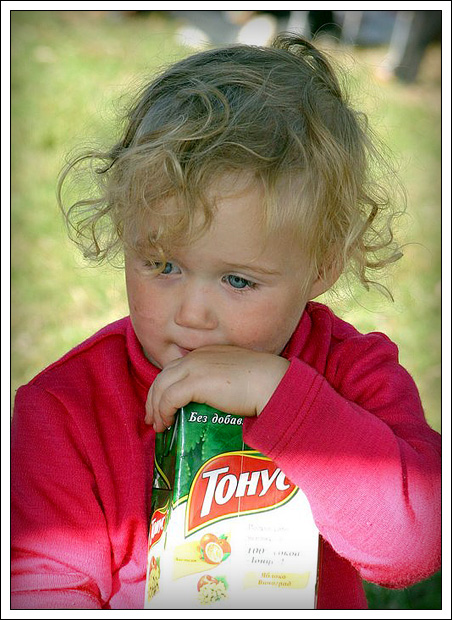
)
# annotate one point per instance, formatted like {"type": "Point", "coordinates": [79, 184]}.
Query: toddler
{"type": "Point", "coordinates": [241, 190]}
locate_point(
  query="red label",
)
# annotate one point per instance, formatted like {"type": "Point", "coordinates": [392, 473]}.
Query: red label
{"type": "Point", "coordinates": [235, 483]}
{"type": "Point", "coordinates": [157, 527]}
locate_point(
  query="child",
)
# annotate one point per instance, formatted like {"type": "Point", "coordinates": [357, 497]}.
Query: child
{"type": "Point", "coordinates": [239, 192]}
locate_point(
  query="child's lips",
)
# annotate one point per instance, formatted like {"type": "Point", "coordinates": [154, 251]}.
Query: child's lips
{"type": "Point", "coordinates": [184, 351]}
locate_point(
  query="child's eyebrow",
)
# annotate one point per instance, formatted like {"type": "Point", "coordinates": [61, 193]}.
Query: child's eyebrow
{"type": "Point", "coordinates": [251, 267]}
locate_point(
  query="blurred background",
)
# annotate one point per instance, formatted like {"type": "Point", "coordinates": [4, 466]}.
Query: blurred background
{"type": "Point", "coordinates": [71, 75]}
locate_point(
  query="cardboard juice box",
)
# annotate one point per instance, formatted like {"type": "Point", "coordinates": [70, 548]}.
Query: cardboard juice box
{"type": "Point", "coordinates": [228, 530]}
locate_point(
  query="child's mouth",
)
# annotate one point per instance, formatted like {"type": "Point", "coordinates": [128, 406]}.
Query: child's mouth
{"type": "Point", "coordinates": [183, 351]}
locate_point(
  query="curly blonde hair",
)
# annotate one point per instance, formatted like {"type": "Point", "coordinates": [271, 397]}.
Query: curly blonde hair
{"type": "Point", "coordinates": [278, 113]}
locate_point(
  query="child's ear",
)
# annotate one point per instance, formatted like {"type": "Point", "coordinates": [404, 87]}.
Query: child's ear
{"type": "Point", "coordinates": [319, 287]}
{"type": "Point", "coordinates": [324, 281]}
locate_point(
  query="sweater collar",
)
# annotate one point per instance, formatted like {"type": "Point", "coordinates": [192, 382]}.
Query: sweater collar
{"type": "Point", "coordinates": [142, 368]}
{"type": "Point", "coordinates": [297, 342]}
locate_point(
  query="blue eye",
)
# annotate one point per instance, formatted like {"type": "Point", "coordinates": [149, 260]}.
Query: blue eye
{"type": "Point", "coordinates": [167, 269]}
{"type": "Point", "coordinates": [239, 283]}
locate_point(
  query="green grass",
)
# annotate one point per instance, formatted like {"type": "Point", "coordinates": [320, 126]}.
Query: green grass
{"type": "Point", "coordinates": [69, 69]}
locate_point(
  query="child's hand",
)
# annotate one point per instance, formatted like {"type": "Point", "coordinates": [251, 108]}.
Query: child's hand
{"type": "Point", "coordinates": [228, 378]}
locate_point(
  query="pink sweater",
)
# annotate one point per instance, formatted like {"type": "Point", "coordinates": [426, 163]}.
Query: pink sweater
{"type": "Point", "coordinates": [345, 424]}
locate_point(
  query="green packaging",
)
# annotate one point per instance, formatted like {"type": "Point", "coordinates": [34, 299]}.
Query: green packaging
{"type": "Point", "coordinates": [228, 530]}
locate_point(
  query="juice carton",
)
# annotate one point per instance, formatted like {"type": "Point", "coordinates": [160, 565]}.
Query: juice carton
{"type": "Point", "coordinates": [228, 530]}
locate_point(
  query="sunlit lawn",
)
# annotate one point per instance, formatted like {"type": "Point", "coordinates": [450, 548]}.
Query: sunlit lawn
{"type": "Point", "coordinates": [68, 73]}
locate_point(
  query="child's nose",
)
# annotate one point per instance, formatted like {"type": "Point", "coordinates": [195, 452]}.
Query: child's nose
{"type": "Point", "coordinates": [196, 309]}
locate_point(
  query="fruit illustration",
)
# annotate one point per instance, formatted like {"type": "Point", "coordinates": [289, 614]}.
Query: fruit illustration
{"type": "Point", "coordinates": [214, 549]}
{"type": "Point", "coordinates": [224, 544]}
{"type": "Point", "coordinates": [153, 578]}
{"type": "Point", "coordinates": [206, 580]}
{"type": "Point", "coordinates": [211, 589]}
{"type": "Point", "coordinates": [213, 553]}
{"type": "Point", "coordinates": [207, 538]}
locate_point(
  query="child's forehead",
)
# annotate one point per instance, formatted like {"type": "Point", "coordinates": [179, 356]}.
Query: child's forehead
{"type": "Point", "coordinates": [238, 235]}
{"type": "Point", "coordinates": [231, 203]}
{"type": "Point", "coordinates": [237, 205]}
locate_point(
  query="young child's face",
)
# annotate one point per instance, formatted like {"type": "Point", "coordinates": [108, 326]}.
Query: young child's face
{"type": "Point", "coordinates": [231, 286]}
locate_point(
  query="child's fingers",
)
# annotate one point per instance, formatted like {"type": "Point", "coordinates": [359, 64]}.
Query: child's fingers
{"type": "Point", "coordinates": [159, 421]}
{"type": "Point", "coordinates": [159, 409]}
{"type": "Point", "coordinates": [172, 398]}
{"type": "Point", "coordinates": [149, 417]}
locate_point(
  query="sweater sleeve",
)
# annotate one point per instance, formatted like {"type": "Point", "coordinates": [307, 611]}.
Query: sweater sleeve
{"type": "Point", "coordinates": [357, 443]}
{"type": "Point", "coordinates": [60, 552]}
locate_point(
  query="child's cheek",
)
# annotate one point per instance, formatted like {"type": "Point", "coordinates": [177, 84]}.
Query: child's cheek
{"type": "Point", "coordinates": [264, 331]}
